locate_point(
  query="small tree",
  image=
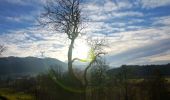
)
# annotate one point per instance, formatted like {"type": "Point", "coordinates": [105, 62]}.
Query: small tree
{"type": "Point", "coordinates": [94, 57]}
{"type": "Point", "coordinates": [94, 54]}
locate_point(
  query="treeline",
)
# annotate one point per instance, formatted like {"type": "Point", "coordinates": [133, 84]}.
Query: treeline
{"type": "Point", "coordinates": [141, 71]}
{"type": "Point", "coordinates": [56, 85]}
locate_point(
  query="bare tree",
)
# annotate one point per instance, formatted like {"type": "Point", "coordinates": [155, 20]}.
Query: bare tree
{"type": "Point", "coordinates": [95, 54]}
{"type": "Point", "coordinates": [64, 16]}
{"type": "Point", "coordinates": [95, 58]}
{"type": "Point", "coordinates": [2, 49]}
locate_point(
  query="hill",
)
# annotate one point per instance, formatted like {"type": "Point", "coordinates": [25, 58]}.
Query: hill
{"type": "Point", "coordinates": [140, 71]}
{"type": "Point", "coordinates": [10, 66]}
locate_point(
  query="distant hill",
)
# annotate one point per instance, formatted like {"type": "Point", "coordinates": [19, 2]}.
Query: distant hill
{"type": "Point", "coordinates": [16, 66]}
{"type": "Point", "coordinates": [28, 65]}
{"type": "Point", "coordinates": [140, 71]}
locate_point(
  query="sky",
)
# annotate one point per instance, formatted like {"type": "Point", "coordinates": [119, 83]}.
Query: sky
{"type": "Point", "coordinates": [137, 30]}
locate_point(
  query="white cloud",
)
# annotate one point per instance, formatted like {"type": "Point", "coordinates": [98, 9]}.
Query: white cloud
{"type": "Point", "coordinates": [127, 13]}
{"type": "Point", "coordinates": [123, 45]}
{"type": "Point", "coordinates": [107, 6]}
{"type": "Point", "coordinates": [160, 57]}
{"type": "Point", "coordinates": [16, 19]}
{"type": "Point", "coordinates": [29, 42]}
{"type": "Point", "coordinates": [165, 20]}
{"type": "Point", "coordinates": [26, 2]}
{"type": "Point", "coordinates": [124, 5]}
{"type": "Point", "coordinates": [20, 18]}
{"type": "Point", "coordinates": [154, 3]}
{"type": "Point", "coordinates": [142, 54]}
{"type": "Point", "coordinates": [110, 6]}
{"type": "Point", "coordinates": [135, 21]}
{"type": "Point", "coordinates": [98, 17]}
{"type": "Point", "coordinates": [108, 10]}
{"type": "Point", "coordinates": [21, 2]}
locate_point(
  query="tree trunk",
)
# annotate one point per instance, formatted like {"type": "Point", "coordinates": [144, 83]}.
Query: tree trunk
{"type": "Point", "coordinates": [70, 69]}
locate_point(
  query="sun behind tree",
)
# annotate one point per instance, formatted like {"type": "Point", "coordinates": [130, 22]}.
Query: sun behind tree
{"type": "Point", "coordinates": [81, 51]}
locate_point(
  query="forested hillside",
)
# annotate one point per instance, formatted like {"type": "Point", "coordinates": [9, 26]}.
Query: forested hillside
{"type": "Point", "coordinates": [29, 65]}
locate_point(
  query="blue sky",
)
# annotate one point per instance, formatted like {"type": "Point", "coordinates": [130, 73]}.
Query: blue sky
{"type": "Point", "coordinates": [138, 30]}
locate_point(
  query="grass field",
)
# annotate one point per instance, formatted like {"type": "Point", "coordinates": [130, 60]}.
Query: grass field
{"type": "Point", "coordinates": [13, 95]}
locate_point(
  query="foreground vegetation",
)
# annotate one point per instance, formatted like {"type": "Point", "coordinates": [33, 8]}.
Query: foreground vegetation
{"type": "Point", "coordinates": [57, 85]}
{"type": "Point", "coordinates": [11, 94]}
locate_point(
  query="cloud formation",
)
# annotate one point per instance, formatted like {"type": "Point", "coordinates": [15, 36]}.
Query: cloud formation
{"type": "Point", "coordinates": [137, 30]}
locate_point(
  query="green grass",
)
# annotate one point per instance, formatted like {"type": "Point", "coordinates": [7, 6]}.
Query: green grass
{"type": "Point", "coordinates": [142, 79]}
{"type": "Point", "coordinates": [136, 80]}
{"type": "Point", "coordinates": [12, 95]}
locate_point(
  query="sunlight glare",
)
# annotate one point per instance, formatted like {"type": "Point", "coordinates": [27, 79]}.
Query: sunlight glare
{"type": "Point", "coordinates": [81, 51]}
